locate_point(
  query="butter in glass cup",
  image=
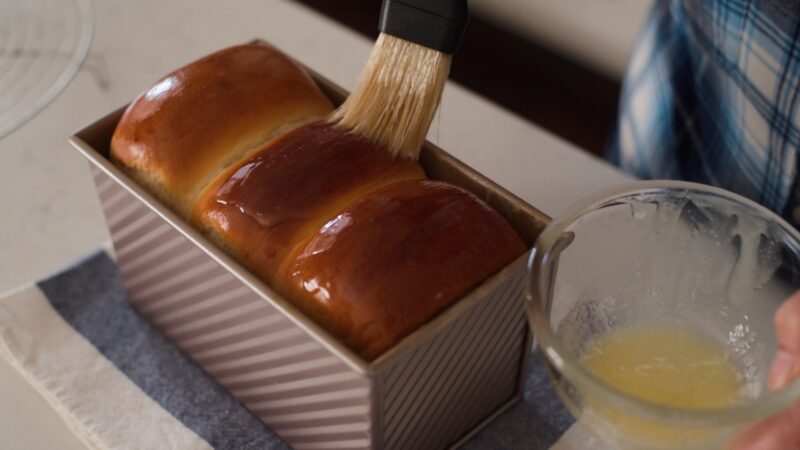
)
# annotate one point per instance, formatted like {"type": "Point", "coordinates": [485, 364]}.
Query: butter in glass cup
{"type": "Point", "coordinates": [652, 305]}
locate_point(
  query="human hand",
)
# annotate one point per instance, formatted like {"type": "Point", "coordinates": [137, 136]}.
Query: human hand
{"type": "Point", "coordinates": [782, 431]}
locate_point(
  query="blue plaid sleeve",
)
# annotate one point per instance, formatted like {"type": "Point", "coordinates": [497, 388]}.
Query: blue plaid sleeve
{"type": "Point", "coordinates": [711, 95]}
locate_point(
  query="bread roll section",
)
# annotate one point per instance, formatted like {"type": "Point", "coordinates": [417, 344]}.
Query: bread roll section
{"type": "Point", "coordinates": [390, 261]}
{"type": "Point", "coordinates": [183, 131]}
{"type": "Point", "coordinates": [262, 207]}
{"type": "Point", "coordinates": [239, 144]}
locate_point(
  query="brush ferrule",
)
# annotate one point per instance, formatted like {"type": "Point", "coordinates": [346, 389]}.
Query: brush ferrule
{"type": "Point", "coordinates": [435, 24]}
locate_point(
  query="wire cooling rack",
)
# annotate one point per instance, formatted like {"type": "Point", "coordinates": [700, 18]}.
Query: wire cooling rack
{"type": "Point", "coordinates": [42, 45]}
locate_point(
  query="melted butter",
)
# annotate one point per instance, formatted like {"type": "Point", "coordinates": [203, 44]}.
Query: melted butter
{"type": "Point", "coordinates": [163, 87]}
{"type": "Point", "coordinates": [320, 293]}
{"type": "Point", "coordinates": [667, 365]}
{"type": "Point", "coordinates": [244, 192]}
{"type": "Point", "coordinates": [327, 234]}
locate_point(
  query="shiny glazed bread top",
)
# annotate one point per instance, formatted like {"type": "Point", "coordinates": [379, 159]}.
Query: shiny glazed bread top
{"type": "Point", "coordinates": [260, 208]}
{"type": "Point", "coordinates": [179, 134]}
{"type": "Point", "coordinates": [390, 261]}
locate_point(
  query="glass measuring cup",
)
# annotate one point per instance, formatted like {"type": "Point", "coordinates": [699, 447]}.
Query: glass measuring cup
{"type": "Point", "coordinates": [663, 253]}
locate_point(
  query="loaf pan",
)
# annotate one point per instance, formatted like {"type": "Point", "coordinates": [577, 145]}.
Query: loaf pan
{"type": "Point", "coordinates": [435, 389]}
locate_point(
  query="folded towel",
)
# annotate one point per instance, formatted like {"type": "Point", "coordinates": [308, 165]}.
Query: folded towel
{"type": "Point", "coordinates": [120, 384]}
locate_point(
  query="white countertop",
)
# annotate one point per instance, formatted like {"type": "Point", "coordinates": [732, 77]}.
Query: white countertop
{"type": "Point", "coordinates": [50, 212]}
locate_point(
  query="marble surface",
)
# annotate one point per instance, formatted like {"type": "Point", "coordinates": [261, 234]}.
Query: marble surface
{"type": "Point", "coordinates": [50, 214]}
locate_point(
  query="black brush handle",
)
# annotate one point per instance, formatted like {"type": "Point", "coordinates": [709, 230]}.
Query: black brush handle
{"type": "Point", "coordinates": [436, 24]}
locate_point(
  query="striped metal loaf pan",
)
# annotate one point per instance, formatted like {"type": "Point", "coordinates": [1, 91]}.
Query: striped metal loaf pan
{"type": "Point", "coordinates": [435, 389]}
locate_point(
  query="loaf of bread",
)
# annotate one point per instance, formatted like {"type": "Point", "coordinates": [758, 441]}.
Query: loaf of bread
{"type": "Point", "coordinates": [237, 143]}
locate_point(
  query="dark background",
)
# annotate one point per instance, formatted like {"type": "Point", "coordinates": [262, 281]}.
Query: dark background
{"type": "Point", "coordinates": [563, 96]}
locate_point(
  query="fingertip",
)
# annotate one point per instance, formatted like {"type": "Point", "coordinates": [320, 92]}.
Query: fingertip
{"type": "Point", "coordinates": [787, 324]}
{"type": "Point", "coordinates": [783, 367]}
{"type": "Point", "coordinates": [779, 432]}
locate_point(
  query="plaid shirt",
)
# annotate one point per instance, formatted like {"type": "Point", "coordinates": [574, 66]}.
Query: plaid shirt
{"type": "Point", "coordinates": [711, 95]}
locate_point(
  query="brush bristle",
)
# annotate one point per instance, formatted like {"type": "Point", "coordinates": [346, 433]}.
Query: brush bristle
{"type": "Point", "coordinates": [397, 95]}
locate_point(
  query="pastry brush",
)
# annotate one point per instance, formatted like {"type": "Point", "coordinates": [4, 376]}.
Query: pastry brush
{"type": "Point", "coordinates": [400, 87]}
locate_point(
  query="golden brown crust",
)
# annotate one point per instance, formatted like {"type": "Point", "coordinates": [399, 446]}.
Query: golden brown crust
{"type": "Point", "coordinates": [263, 206]}
{"type": "Point", "coordinates": [392, 260]}
{"type": "Point", "coordinates": [178, 135]}
{"type": "Point", "coordinates": [352, 236]}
